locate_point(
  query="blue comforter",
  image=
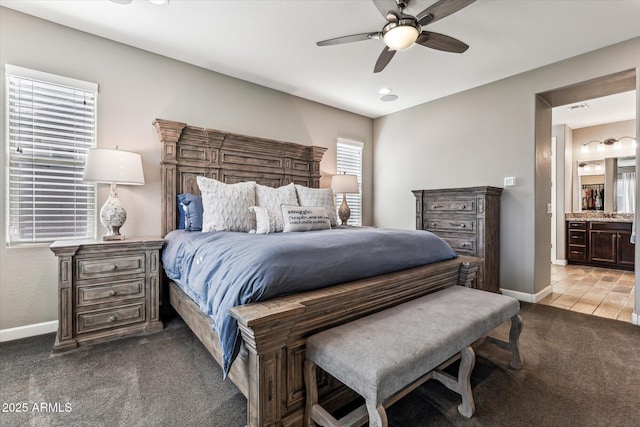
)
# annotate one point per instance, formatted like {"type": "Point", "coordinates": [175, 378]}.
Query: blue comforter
{"type": "Point", "coordinates": [220, 270]}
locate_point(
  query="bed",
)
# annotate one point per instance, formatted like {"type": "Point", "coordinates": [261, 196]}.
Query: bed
{"type": "Point", "coordinates": [269, 367]}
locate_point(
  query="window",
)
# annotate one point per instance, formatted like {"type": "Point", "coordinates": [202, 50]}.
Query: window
{"type": "Point", "coordinates": [349, 160]}
{"type": "Point", "coordinates": [51, 125]}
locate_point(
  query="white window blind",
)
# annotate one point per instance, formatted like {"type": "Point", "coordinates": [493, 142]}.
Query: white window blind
{"type": "Point", "coordinates": [51, 122]}
{"type": "Point", "coordinates": [349, 160]}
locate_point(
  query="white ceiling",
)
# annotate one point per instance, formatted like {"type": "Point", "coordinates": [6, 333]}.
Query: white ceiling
{"type": "Point", "coordinates": [608, 109]}
{"type": "Point", "coordinates": [272, 43]}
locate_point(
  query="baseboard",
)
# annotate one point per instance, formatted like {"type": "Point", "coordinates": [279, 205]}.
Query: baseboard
{"type": "Point", "coordinates": [635, 319]}
{"type": "Point", "coordinates": [560, 262]}
{"type": "Point", "coordinates": [28, 331]}
{"type": "Point", "coordinates": [522, 296]}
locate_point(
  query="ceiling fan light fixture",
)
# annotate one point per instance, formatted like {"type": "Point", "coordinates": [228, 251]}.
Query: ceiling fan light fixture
{"type": "Point", "coordinates": [400, 36]}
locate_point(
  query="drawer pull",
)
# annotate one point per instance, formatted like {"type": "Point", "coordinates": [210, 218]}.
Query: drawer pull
{"type": "Point", "coordinates": [113, 319]}
{"type": "Point", "coordinates": [464, 206]}
{"type": "Point", "coordinates": [576, 237]}
{"type": "Point", "coordinates": [113, 292]}
{"type": "Point", "coordinates": [436, 207]}
{"type": "Point", "coordinates": [576, 252]}
{"type": "Point", "coordinates": [459, 225]}
{"type": "Point", "coordinates": [113, 267]}
{"type": "Point", "coordinates": [465, 244]}
{"type": "Point", "coordinates": [433, 224]}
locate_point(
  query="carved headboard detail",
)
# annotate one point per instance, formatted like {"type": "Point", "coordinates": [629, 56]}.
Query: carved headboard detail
{"type": "Point", "coordinates": [189, 151]}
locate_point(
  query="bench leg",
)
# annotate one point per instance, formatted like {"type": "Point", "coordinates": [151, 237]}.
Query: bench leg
{"type": "Point", "coordinates": [512, 345]}
{"type": "Point", "coordinates": [462, 385]}
{"type": "Point", "coordinates": [514, 335]}
{"type": "Point", "coordinates": [377, 415]}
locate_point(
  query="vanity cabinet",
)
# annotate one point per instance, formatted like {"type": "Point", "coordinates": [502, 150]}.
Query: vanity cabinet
{"type": "Point", "coordinates": [601, 244]}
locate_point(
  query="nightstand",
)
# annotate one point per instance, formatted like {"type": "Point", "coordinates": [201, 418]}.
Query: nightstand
{"type": "Point", "coordinates": [107, 290]}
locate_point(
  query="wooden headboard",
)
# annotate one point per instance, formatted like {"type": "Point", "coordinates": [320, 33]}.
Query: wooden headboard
{"type": "Point", "coordinates": [189, 151]}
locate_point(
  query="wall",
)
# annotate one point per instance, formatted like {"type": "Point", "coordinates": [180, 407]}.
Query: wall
{"type": "Point", "coordinates": [135, 87]}
{"type": "Point", "coordinates": [478, 137]}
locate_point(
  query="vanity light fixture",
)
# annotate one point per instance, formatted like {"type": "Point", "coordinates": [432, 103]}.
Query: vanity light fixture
{"type": "Point", "coordinates": [616, 142]}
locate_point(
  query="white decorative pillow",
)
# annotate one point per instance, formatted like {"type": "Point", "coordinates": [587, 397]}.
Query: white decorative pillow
{"type": "Point", "coordinates": [272, 198]}
{"type": "Point", "coordinates": [267, 220]}
{"type": "Point", "coordinates": [226, 206]}
{"type": "Point", "coordinates": [318, 197]}
{"type": "Point", "coordinates": [305, 218]}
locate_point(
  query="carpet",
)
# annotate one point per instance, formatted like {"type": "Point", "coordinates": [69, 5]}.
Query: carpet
{"type": "Point", "coordinates": [579, 370]}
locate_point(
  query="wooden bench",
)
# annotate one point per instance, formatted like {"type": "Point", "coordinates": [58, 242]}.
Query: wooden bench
{"type": "Point", "coordinates": [384, 356]}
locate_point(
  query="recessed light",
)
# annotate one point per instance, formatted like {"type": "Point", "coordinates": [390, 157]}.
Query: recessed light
{"type": "Point", "coordinates": [385, 91]}
{"type": "Point", "coordinates": [388, 98]}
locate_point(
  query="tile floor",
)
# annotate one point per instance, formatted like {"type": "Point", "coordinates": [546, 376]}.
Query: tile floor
{"type": "Point", "coordinates": [601, 292]}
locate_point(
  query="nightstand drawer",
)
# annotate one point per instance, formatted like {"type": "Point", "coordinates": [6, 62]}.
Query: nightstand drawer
{"type": "Point", "coordinates": [449, 224]}
{"type": "Point", "coordinates": [100, 267]}
{"type": "Point", "coordinates": [104, 319]}
{"type": "Point", "coordinates": [112, 292]}
{"type": "Point", "coordinates": [464, 205]}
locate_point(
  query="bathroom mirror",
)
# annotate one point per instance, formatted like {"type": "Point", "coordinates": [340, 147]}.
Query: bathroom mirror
{"type": "Point", "coordinates": [606, 185]}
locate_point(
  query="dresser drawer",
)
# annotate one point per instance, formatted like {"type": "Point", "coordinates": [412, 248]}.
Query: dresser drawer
{"type": "Point", "coordinates": [450, 224]}
{"type": "Point", "coordinates": [111, 292]}
{"type": "Point", "coordinates": [458, 205]}
{"type": "Point", "coordinates": [467, 246]}
{"type": "Point", "coordinates": [113, 317]}
{"type": "Point", "coordinates": [92, 268]}
{"type": "Point", "coordinates": [577, 237]}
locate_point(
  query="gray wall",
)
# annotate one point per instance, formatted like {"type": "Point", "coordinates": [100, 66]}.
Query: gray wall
{"type": "Point", "coordinates": [135, 87]}
{"type": "Point", "coordinates": [478, 137]}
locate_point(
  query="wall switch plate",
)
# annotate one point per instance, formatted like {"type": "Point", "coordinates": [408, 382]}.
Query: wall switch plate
{"type": "Point", "coordinates": [510, 181]}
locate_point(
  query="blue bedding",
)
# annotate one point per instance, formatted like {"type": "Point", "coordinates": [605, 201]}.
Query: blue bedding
{"type": "Point", "coordinates": [220, 270]}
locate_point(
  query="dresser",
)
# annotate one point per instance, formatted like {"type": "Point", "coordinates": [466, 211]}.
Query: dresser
{"type": "Point", "coordinates": [106, 290]}
{"type": "Point", "coordinates": [469, 220]}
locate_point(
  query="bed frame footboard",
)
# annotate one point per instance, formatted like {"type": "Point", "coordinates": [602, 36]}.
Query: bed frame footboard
{"type": "Point", "coordinates": [275, 331]}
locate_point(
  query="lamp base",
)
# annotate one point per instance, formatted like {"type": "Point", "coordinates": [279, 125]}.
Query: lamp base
{"type": "Point", "coordinates": [344, 212]}
{"type": "Point", "coordinates": [112, 216]}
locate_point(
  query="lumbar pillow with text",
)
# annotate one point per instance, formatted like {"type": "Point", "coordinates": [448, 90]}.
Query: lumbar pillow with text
{"type": "Point", "coordinates": [226, 206]}
{"type": "Point", "coordinates": [318, 197]}
{"type": "Point", "coordinates": [305, 218]}
{"type": "Point", "coordinates": [267, 220]}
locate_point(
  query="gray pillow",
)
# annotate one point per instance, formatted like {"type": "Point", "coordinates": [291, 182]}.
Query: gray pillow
{"type": "Point", "coordinates": [318, 197]}
{"type": "Point", "coordinates": [226, 206]}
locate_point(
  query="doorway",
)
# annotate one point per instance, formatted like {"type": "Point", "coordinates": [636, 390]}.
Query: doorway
{"type": "Point", "coordinates": [608, 85]}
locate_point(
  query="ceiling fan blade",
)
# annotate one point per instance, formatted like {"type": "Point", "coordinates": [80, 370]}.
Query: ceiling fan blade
{"type": "Point", "coordinates": [441, 9]}
{"type": "Point", "coordinates": [385, 6]}
{"type": "Point", "coordinates": [383, 59]}
{"type": "Point", "coordinates": [349, 39]}
{"type": "Point", "coordinates": [441, 42]}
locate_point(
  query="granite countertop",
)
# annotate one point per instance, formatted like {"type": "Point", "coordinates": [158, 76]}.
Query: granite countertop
{"type": "Point", "coordinates": [599, 216]}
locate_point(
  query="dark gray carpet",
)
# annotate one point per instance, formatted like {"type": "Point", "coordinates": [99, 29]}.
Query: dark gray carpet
{"type": "Point", "coordinates": [579, 371]}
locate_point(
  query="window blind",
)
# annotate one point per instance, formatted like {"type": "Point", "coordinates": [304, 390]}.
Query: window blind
{"type": "Point", "coordinates": [349, 160]}
{"type": "Point", "coordinates": [51, 122]}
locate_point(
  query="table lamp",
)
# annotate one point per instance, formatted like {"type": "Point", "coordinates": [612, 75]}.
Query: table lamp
{"type": "Point", "coordinates": [345, 184]}
{"type": "Point", "coordinates": [113, 167]}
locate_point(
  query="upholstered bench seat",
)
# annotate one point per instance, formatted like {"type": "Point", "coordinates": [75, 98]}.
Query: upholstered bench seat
{"type": "Point", "coordinates": [380, 355]}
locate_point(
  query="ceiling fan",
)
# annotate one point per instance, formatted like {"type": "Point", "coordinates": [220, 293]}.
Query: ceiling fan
{"type": "Point", "coordinates": [403, 31]}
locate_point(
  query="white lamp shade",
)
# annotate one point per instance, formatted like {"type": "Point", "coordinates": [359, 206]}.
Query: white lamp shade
{"type": "Point", "coordinates": [344, 184]}
{"type": "Point", "coordinates": [113, 166]}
